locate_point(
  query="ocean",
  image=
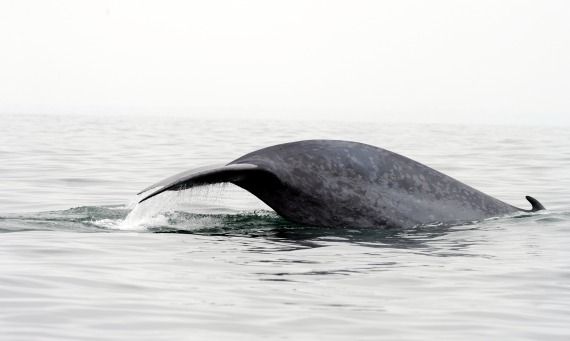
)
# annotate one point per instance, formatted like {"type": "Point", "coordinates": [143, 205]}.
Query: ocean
{"type": "Point", "coordinates": [80, 260]}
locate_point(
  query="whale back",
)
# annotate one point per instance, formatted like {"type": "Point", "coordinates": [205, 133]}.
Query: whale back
{"type": "Point", "coordinates": [341, 183]}
{"type": "Point", "coordinates": [346, 184]}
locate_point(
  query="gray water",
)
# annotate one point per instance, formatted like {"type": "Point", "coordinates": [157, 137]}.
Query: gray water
{"type": "Point", "coordinates": [80, 261]}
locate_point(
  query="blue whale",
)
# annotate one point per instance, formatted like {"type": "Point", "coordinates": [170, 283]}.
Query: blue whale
{"type": "Point", "coordinates": [334, 183]}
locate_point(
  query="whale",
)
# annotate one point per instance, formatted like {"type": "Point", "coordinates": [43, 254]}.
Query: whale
{"type": "Point", "coordinates": [343, 184]}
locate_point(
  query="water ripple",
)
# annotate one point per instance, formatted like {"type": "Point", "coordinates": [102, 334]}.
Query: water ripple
{"type": "Point", "coordinates": [82, 263]}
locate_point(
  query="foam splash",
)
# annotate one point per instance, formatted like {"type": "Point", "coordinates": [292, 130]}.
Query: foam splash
{"type": "Point", "coordinates": [108, 224]}
{"type": "Point", "coordinates": [166, 211]}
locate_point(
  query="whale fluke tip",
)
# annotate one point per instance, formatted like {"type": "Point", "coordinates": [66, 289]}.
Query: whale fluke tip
{"type": "Point", "coordinates": [200, 176]}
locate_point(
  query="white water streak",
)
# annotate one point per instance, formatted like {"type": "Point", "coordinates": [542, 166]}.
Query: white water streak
{"type": "Point", "coordinates": [158, 210]}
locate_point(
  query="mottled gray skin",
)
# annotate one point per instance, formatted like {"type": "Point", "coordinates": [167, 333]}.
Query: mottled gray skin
{"type": "Point", "coordinates": [348, 184]}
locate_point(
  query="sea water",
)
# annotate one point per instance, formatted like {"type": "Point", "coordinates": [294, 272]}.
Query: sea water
{"type": "Point", "coordinates": [79, 260]}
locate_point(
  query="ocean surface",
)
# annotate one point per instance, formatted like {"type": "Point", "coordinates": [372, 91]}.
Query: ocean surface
{"type": "Point", "coordinates": [79, 260]}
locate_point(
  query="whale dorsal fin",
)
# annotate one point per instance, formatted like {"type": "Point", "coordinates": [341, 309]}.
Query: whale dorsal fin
{"type": "Point", "coordinates": [536, 206]}
{"type": "Point", "coordinates": [200, 176]}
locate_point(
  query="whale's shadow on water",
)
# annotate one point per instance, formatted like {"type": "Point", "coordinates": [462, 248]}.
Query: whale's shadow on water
{"type": "Point", "coordinates": [433, 240]}
{"type": "Point", "coordinates": [274, 228]}
{"type": "Point", "coordinates": [265, 225]}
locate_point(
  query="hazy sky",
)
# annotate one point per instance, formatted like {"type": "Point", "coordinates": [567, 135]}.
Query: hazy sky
{"type": "Point", "coordinates": [429, 61]}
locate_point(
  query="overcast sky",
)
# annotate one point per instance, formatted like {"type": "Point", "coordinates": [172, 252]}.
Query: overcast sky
{"type": "Point", "coordinates": [428, 61]}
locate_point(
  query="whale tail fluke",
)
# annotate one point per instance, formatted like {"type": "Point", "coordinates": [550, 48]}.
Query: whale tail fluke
{"type": "Point", "coordinates": [198, 177]}
{"type": "Point", "coordinates": [536, 205]}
